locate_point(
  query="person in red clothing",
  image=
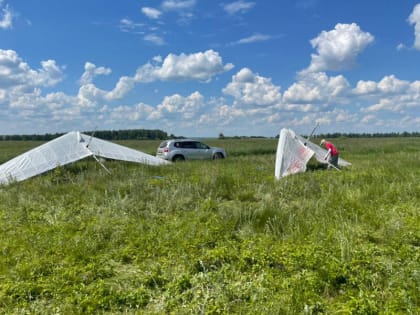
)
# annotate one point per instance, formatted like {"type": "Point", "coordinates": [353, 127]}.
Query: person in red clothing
{"type": "Point", "coordinates": [332, 154]}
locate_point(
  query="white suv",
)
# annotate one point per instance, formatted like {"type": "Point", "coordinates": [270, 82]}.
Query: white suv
{"type": "Point", "coordinates": [187, 149]}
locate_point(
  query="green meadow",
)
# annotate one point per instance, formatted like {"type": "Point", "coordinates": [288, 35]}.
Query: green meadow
{"type": "Point", "coordinates": [216, 237]}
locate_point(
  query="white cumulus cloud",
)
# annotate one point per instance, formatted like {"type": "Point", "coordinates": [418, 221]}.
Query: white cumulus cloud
{"type": "Point", "coordinates": [316, 88]}
{"type": "Point", "coordinates": [392, 85]}
{"type": "Point", "coordinates": [17, 78]}
{"type": "Point", "coordinates": [198, 66]}
{"type": "Point", "coordinates": [414, 18]}
{"type": "Point", "coordinates": [131, 113]}
{"type": "Point", "coordinates": [337, 49]}
{"type": "Point", "coordinates": [123, 86]}
{"type": "Point", "coordinates": [393, 95]}
{"type": "Point", "coordinates": [91, 71]}
{"type": "Point", "coordinates": [179, 107]}
{"type": "Point", "coordinates": [250, 89]}
{"type": "Point", "coordinates": [388, 85]}
{"type": "Point", "coordinates": [366, 88]}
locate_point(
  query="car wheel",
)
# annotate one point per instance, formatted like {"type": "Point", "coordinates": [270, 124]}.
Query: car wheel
{"type": "Point", "coordinates": [218, 156]}
{"type": "Point", "coordinates": [178, 158]}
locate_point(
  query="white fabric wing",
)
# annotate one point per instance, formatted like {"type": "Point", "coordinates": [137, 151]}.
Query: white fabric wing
{"type": "Point", "coordinates": [320, 152]}
{"type": "Point", "coordinates": [66, 149]}
{"type": "Point", "coordinates": [115, 151]}
{"type": "Point", "coordinates": [60, 151]}
{"type": "Point", "coordinates": [292, 155]}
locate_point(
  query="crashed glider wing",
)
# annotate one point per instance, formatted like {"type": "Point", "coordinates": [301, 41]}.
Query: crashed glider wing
{"type": "Point", "coordinates": [109, 150]}
{"type": "Point", "coordinates": [294, 152]}
{"type": "Point", "coordinates": [292, 155]}
{"type": "Point", "coordinates": [66, 149]}
{"type": "Point", "coordinates": [320, 152]}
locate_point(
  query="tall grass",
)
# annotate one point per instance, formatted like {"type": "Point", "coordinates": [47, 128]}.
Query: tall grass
{"type": "Point", "coordinates": [216, 237]}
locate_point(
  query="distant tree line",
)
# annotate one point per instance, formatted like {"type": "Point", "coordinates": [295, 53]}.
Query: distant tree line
{"type": "Point", "coordinates": [222, 136]}
{"type": "Point", "coordinates": [368, 135]}
{"type": "Point", "coordinates": [338, 135]}
{"type": "Point", "coordinates": [130, 134]}
{"type": "Point", "coordinates": [156, 134]}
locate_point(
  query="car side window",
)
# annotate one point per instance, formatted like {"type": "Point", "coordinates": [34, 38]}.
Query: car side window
{"type": "Point", "coordinates": [187, 145]}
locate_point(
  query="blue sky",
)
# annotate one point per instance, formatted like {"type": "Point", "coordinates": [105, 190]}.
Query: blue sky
{"type": "Point", "coordinates": [200, 68]}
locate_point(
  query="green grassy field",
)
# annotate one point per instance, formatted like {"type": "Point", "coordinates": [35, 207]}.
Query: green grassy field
{"type": "Point", "coordinates": [216, 237]}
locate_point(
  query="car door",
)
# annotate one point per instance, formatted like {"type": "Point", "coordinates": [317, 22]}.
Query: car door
{"type": "Point", "coordinates": [203, 151]}
{"type": "Point", "coordinates": [188, 149]}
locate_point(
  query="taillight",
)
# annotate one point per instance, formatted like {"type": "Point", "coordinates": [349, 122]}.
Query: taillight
{"type": "Point", "coordinates": [166, 150]}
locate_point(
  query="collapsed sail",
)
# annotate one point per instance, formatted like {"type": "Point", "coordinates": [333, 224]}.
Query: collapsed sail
{"type": "Point", "coordinates": [292, 155]}
{"type": "Point", "coordinates": [66, 149]}
{"type": "Point", "coordinates": [294, 152]}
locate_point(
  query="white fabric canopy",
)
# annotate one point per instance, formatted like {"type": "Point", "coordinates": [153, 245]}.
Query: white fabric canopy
{"type": "Point", "coordinates": [292, 155]}
{"type": "Point", "coordinates": [294, 152]}
{"type": "Point", "coordinates": [66, 149]}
